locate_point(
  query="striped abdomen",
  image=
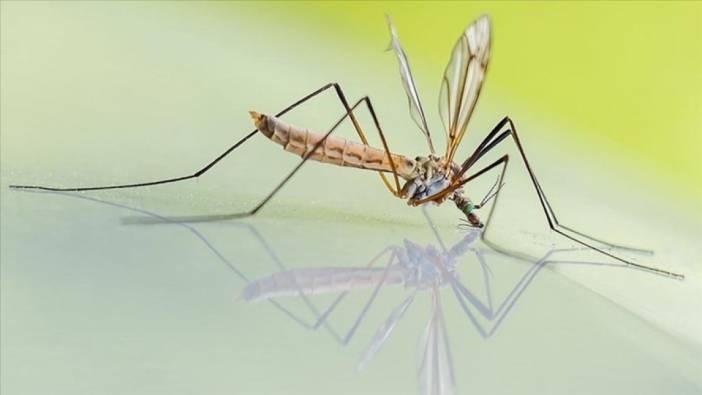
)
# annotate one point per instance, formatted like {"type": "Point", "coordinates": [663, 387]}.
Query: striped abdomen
{"type": "Point", "coordinates": [314, 281]}
{"type": "Point", "coordinates": [335, 150]}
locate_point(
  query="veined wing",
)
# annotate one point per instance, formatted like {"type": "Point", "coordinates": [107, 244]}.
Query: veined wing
{"type": "Point", "coordinates": [436, 375]}
{"type": "Point", "coordinates": [462, 81]}
{"type": "Point", "coordinates": [320, 280]}
{"type": "Point", "coordinates": [384, 332]}
{"type": "Point", "coordinates": [415, 104]}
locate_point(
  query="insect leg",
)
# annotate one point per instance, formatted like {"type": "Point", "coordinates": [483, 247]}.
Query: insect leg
{"type": "Point", "coordinates": [395, 191]}
{"type": "Point", "coordinates": [199, 236]}
{"type": "Point", "coordinates": [548, 210]}
{"type": "Point", "coordinates": [489, 143]}
{"type": "Point", "coordinates": [198, 173]}
{"type": "Point", "coordinates": [259, 206]}
{"type": "Point", "coordinates": [322, 318]}
{"type": "Point", "coordinates": [433, 229]}
{"type": "Point", "coordinates": [366, 307]}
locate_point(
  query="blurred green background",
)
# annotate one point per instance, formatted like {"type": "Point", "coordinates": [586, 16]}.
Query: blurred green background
{"type": "Point", "coordinates": [607, 98]}
{"type": "Point", "coordinates": [622, 78]}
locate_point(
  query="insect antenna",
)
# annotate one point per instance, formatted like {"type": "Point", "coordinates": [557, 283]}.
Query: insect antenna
{"type": "Point", "coordinates": [465, 225]}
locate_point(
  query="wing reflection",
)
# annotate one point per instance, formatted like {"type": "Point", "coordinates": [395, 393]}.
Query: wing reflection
{"type": "Point", "coordinates": [420, 270]}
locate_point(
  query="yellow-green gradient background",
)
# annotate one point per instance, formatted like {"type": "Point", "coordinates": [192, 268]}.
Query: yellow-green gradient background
{"type": "Point", "coordinates": [622, 78]}
{"type": "Point", "coordinates": [607, 100]}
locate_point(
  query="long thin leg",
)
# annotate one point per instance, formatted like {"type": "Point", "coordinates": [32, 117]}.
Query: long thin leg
{"type": "Point", "coordinates": [548, 211]}
{"type": "Point", "coordinates": [322, 318]}
{"type": "Point", "coordinates": [202, 170]}
{"type": "Point", "coordinates": [219, 255]}
{"type": "Point", "coordinates": [515, 294]}
{"type": "Point", "coordinates": [485, 146]}
{"type": "Point", "coordinates": [371, 299]}
{"type": "Point", "coordinates": [481, 149]}
{"type": "Point", "coordinates": [253, 211]}
{"type": "Point", "coordinates": [364, 140]}
{"type": "Point", "coordinates": [349, 113]}
{"type": "Point", "coordinates": [489, 143]}
{"type": "Point", "coordinates": [397, 189]}
{"type": "Point", "coordinates": [142, 184]}
{"type": "Point", "coordinates": [432, 226]}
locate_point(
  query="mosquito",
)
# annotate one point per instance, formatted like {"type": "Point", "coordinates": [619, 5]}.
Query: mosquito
{"type": "Point", "coordinates": [425, 179]}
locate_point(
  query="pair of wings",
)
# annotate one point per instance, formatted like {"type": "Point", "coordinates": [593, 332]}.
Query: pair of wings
{"type": "Point", "coordinates": [460, 85]}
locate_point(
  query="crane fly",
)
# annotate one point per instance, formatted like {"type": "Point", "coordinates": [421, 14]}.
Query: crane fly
{"type": "Point", "coordinates": [430, 178]}
{"type": "Point", "coordinates": [418, 269]}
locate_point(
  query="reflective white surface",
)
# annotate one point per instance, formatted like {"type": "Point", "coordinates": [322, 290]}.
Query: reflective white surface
{"type": "Point", "coordinates": [94, 303]}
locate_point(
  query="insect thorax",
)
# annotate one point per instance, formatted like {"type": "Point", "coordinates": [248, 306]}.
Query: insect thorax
{"type": "Point", "coordinates": [431, 176]}
{"type": "Point", "coordinates": [426, 266]}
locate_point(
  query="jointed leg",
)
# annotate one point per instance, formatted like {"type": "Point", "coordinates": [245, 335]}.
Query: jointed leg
{"type": "Point", "coordinates": [548, 211]}
{"type": "Point", "coordinates": [490, 142]}
{"type": "Point", "coordinates": [371, 299]}
{"type": "Point", "coordinates": [348, 112]}
{"type": "Point", "coordinates": [253, 211]}
{"type": "Point", "coordinates": [433, 229]}
{"type": "Point", "coordinates": [323, 317]}
{"type": "Point", "coordinates": [396, 190]}
{"type": "Point", "coordinates": [182, 178]}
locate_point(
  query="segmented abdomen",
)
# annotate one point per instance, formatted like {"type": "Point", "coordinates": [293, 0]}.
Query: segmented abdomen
{"type": "Point", "coordinates": [314, 281]}
{"type": "Point", "coordinates": [335, 150]}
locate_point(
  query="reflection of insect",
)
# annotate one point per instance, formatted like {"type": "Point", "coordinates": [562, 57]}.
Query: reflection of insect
{"type": "Point", "coordinates": [424, 269]}
{"type": "Point", "coordinates": [430, 178]}
{"type": "Point", "coordinates": [419, 269]}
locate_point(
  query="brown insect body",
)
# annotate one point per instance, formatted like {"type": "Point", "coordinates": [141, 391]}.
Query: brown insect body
{"type": "Point", "coordinates": [333, 150]}
{"type": "Point", "coordinates": [316, 281]}
{"type": "Point", "coordinates": [425, 176]}
{"type": "Point", "coordinates": [430, 178]}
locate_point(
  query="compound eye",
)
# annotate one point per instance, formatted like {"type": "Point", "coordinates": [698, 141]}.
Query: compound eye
{"type": "Point", "coordinates": [418, 158]}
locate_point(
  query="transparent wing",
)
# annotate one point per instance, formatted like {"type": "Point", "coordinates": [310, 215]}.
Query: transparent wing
{"type": "Point", "coordinates": [435, 371]}
{"type": "Point", "coordinates": [415, 104]}
{"type": "Point", "coordinates": [463, 78]}
{"type": "Point", "coordinates": [384, 332]}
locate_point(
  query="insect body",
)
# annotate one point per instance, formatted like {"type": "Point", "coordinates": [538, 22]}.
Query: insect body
{"type": "Point", "coordinates": [334, 149]}
{"type": "Point", "coordinates": [419, 269]}
{"type": "Point", "coordinates": [412, 266]}
{"type": "Point", "coordinates": [431, 178]}
{"type": "Point", "coordinates": [424, 176]}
